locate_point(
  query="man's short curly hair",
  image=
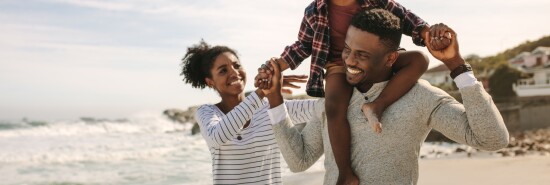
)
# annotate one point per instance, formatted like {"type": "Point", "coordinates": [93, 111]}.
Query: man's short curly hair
{"type": "Point", "coordinates": [198, 61]}
{"type": "Point", "coordinates": [382, 23]}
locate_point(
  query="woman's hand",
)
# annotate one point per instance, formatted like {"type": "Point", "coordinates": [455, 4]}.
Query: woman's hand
{"type": "Point", "coordinates": [274, 95]}
{"type": "Point", "coordinates": [264, 77]}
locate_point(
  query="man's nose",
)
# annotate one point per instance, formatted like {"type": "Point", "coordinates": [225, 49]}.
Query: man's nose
{"type": "Point", "coordinates": [350, 59]}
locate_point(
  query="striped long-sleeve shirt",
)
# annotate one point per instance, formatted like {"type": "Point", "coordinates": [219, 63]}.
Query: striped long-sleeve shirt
{"type": "Point", "coordinates": [255, 157]}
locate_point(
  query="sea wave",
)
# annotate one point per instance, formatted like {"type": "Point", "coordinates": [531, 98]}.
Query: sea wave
{"type": "Point", "coordinates": [141, 123]}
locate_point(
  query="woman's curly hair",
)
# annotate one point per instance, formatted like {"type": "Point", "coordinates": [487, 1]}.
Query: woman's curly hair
{"type": "Point", "coordinates": [198, 61]}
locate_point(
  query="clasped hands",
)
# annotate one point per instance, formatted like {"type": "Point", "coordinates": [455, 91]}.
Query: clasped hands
{"type": "Point", "coordinates": [270, 80]}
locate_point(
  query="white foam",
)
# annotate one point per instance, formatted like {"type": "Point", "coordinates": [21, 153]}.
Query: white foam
{"type": "Point", "coordinates": [148, 123]}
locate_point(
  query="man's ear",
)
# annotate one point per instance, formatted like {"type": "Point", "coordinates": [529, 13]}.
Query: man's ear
{"type": "Point", "coordinates": [391, 58]}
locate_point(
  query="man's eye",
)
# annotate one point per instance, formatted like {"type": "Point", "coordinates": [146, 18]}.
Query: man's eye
{"type": "Point", "coordinates": [362, 56]}
{"type": "Point", "coordinates": [346, 50]}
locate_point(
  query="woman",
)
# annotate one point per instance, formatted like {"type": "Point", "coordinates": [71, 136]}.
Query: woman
{"type": "Point", "coordinates": [237, 129]}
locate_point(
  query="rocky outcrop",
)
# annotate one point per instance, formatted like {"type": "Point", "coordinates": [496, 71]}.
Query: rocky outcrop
{"type": "Point", "coordinates": [181, 116]}
{"type": "Point", "coordinates": [184, 117]}
{"type": "Point", "coordinates": [528, 143]}
{"type": "Point", "coordinates": [532, 142]}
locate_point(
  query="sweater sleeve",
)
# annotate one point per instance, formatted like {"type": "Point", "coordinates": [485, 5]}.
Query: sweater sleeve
{"type": "Point", "coordinates": [300, 111]}
{"type": "Point", "coordinates": [218, 130]}
{"type": "Point", "coordinates": [301, 149]}
{"type": "Point", "coordinates": [477, 123]}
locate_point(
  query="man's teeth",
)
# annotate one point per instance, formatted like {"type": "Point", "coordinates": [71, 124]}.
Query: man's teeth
{"type": "Point", "coordinates": [353, 71]}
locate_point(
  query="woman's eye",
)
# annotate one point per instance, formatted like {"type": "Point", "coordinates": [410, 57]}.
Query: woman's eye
{"type": "Point", "coordinates": [237, 66]}
{"type": "Point", "coordinates": [223, 71]}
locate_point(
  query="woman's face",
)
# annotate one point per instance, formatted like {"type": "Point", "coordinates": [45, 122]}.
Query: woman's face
{"type": "Point", "coordinates": [228, 76]}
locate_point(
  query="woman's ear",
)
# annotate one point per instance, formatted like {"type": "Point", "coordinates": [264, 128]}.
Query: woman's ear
{"type": "Point", "coordinates": [209, 82]}
{"type": "Point", "coordinates": [391, 58]}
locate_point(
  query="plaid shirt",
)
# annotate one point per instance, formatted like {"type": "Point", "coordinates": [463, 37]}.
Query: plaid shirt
{"type": "Point", "coordinates": [314, 35]}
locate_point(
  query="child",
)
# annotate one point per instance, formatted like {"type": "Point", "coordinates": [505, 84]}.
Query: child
{"type": "Point", "coordinates": [321, 36]}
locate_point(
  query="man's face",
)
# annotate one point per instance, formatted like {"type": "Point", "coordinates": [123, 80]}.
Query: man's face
{"type": "Point", "coordinates": [366, 59]}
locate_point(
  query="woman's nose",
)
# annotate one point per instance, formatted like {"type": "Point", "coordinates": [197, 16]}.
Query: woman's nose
{"type": "Point", "coordinates": [234, 72]}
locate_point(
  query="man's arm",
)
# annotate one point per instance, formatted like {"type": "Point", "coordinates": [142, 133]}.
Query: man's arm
{"type": "Point", "coordinates": [478, 122]}
{"type": "Point", "coordinates": [300, 111]}
{"type": "Point", "coordinates": [300, 149]}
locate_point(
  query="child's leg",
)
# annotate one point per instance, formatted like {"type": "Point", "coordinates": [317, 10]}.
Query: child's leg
{"type": "Point", "coordinates": [337, 96]}
{"type": "Point", "coordinates": [410, 65]}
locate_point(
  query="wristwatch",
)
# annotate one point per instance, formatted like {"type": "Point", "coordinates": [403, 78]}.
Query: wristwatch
{"type": "Point", "coordinates": [461, 69]}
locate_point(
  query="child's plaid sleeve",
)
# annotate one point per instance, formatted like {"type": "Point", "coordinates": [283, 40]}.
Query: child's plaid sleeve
{"type": "Point", "coordinates": [412, 24]}
{"type": "Point", "coordinates": [301, 49]}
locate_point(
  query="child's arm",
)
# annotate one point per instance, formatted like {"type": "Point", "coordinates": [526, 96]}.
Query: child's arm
{"type": "Point", "coordinates": [294, 54]}
{"type": "Point", "coordinates": [411, 24]}
{"type": "Point", "coordinates": [410, 65]}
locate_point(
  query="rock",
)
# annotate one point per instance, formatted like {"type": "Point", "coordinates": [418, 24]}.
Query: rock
{"type": "Point", "coordinates": [181, 116]}
{"type": "Point", "coordinates": [519, 152]}
{"type": "Point", "coordinates": [196, 129]}
{"type": "Point", "coordinates": [458, 150]}
{"type": "Point", "coordinates": [505, 153]}
{"type": "Point", "coordinates": [176, 115]}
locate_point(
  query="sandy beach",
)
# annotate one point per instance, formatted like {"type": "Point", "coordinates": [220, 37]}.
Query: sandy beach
{"type": "Point", "coordinates": [531, 170]}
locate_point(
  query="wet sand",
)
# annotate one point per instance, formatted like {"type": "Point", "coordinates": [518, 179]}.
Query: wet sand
{"type": "Point", "coordinates": [532, 170]}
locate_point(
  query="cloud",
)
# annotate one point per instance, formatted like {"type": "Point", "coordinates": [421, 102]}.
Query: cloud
{"type": "Point", "coordinates": [125, 53]}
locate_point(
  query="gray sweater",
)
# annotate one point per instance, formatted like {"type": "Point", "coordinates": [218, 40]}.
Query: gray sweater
{"type": "Point", "coordinates": [392, 156]}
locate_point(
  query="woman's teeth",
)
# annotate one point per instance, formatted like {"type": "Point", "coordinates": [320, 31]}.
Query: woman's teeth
{"type": "Point", "coordinates": [236, 82]}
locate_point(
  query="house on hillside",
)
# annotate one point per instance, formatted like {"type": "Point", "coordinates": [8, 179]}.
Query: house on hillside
{"type": "Point", "coordinates": [536, 63]}
{"type": "Point", "coordinates": [438, 76]}
{"type": "Point", "coordinates": [527, 60]}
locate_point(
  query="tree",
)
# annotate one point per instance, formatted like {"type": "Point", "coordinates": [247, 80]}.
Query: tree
{"type": "Point", "coordinates": [501, 82]}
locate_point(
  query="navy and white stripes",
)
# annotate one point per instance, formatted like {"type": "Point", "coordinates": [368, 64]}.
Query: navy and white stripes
{"type": "Point", "coordinates": [256, 158]}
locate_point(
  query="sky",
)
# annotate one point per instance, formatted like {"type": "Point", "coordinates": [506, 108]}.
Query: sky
{"type": "Point", "coordinates": [65, 59]}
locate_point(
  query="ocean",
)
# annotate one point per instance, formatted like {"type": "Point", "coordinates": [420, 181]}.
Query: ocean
{"type": "Point", "coordinates": [143, 149]}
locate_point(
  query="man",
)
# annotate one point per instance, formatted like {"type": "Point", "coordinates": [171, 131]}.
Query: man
{"type": "Point", "coordinates": [391, 157]}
